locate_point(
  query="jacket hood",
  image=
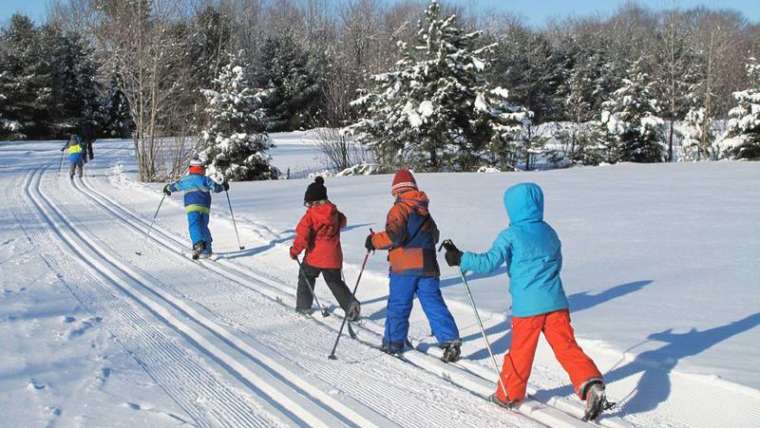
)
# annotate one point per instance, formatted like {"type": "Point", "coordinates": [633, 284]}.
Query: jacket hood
{"type": "Point", "coordinates": [416, 200]}
{"type": "Point", "coordinates": [524, 203]}
{"type": "Point", "coordinates": [325, 214]}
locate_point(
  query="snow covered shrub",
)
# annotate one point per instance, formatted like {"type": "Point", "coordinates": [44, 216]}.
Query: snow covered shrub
{"type": "Point", "coordinates": [363, 168]}
{"type": "Point", "coordinates": [630, 118]}
{"type": "Point", "coordinates": [435, 110]}
{"type": "Point", "coordinates": [744, 122]}
{"type": "Point", "coordinates": [234, 143]}
{"type": "Point", "coordinates": [698, 137]}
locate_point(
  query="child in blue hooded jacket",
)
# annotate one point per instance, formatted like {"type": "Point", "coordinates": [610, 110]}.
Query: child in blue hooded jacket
{"type": "Point", "coordinates": [532, 252]}
{"type": "Point", "coordinates": [197, 188]}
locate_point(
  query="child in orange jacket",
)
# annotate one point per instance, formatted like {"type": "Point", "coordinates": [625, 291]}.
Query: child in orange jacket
{"type": "Point", "coordinates": [318, 232]}
{"type": "Point", "coordinates": [410, 236]}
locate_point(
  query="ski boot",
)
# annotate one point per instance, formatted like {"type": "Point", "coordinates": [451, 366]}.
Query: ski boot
{"type": "Point", "coordinates": [198, 249]}
{"type": "Point", "coordinates": [596, 401]}
{"type": "Point", "coordinates": [354, 311]}
{"type": "Point", "coordinates": [509, 405]}
{"type": "Point", "coordinates": [392, 348]}
{"type": "Point", "coordinates": [451, 351]}
{"type": "Point", "coordinates": [207, 252]}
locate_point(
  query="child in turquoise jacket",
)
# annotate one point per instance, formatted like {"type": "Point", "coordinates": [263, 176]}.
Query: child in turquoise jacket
{"type": "Point", "coordinates": [532, 252]}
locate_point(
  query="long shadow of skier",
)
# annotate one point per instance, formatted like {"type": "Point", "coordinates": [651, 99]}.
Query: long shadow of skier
{"type": "Point", "coordinates": [655, 366]}
{"type": "Point", "coordinates": [285, 236]}
{"type": "Point", "coordinates": [578, 302]}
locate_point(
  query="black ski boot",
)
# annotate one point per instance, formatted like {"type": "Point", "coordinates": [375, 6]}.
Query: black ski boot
{"type": "Point", "coordinates": [198, 249]}
{"type": "Point", "coordinates": [354, 311]}
{"type": "Point", "coordinates": [392, 348]}
{"type": "Point", "coordinates": [596, 401]}
{"type": "Point", "coordinates": [451, 351]}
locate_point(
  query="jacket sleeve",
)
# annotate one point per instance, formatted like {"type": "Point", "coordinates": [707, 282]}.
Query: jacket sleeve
{"type": "Point", "coordinates": [213, 185]}
{"type": "Point", "coordinates": [491, 260]}
{"type": "Point", "coordinates": [395, 229]}
{"type": "Point", "coordinates": [173, 187]}
{"type": "Point", "coordinates": [303, 234]}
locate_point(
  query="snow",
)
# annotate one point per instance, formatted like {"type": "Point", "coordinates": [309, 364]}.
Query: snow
{"type": "Point", "coordinates": [660, 267]}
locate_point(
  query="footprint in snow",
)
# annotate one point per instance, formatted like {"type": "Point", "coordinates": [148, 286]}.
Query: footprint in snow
{"type": "Point", "coordinates": [84, 327]}
{"type": "Point", "coordinates": [35, 385]}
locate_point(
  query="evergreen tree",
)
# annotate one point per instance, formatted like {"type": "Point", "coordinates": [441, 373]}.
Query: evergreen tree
{"type": "Point", "coordinates": [26, 80]}
{"type": "Point", "coordinates": [744, 122]}
{"type": "Point", "coordinates": [295, 83]}
{"type": "Point", "coordinates": [234, 143]}
{"type": "Point", "coordinates": [630, 116]}
{"type": "Point", "coordinates": [526, 62]}
{"type": "Point", "coordinates": [435, 110]}
{"type": "Point", "coordinates": [698, 136]}
{"type": "Point", "coordinates": [116, 118]}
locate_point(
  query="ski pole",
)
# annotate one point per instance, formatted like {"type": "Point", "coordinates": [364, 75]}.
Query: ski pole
{"type": "Point", "coordinates": [343, 324]}
{"type": "Point", "coordinates": [234, 223]}
{"type": "Point", "coordinates": [60, 164]}
{"type": "Point", "coordinates": [483, 332]}
{"type": "Point", "coordinates": [150, 228]}
{"type": "Point", "coordinates": [311, 290]}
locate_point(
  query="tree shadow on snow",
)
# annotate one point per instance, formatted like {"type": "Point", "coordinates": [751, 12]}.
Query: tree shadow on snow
{"type": "Point", "coordinates": [655, 366]}
{"type": "Point", "coordinates": [578, 302]}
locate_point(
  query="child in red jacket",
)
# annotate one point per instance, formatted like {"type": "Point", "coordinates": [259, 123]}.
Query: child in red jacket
{"type": "Point", "coordinates": [318, 233]}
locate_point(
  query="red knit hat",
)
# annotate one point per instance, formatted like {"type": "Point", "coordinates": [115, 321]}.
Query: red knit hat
{"type": "Point", "coordinates": [403, 179]}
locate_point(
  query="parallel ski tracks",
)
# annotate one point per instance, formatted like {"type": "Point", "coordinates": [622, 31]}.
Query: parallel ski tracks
{"type": "Point", "coordinates": [467, 375]}
{"type": "Point", "coordinates": [310, 406]}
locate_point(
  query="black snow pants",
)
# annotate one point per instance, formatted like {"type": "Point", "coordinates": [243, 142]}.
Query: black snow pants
{"type": "Point", "coordinates": [333, 279]}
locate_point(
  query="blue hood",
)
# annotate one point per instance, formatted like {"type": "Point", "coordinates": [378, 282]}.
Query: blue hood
{"type": "Point", "coordinates": [524, 203]}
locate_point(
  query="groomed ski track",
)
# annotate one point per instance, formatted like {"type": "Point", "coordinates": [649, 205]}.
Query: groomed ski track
{"type": "Point", "coordinates": [259, 385]}
{"type": "Point", "coordinates": [472, 377]}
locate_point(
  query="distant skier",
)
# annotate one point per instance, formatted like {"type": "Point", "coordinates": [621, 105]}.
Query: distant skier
{"type": "Point", "coordinates": [410, 236]}
{"type": "Point", "coordinates": [88, 139]}
{"type": "Point", "coordinates": [73, 148]}
{"type": "Point", "coordinates": [532, 252]}
{"type": "Point", "coordinates": [318, 232]}
{"type": "Point", "coordinates": [197, 188]}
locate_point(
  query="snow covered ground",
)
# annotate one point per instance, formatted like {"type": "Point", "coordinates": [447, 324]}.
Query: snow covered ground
{"type": "Point", "coordinates": [660, 266]}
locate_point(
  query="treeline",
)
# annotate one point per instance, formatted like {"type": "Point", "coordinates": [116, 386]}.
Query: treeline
{"type": "Point", "coordinates": [139, 66]}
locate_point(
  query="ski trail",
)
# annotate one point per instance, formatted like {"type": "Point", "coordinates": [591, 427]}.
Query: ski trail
{"type": "Point", "coordinates": [223, 406]}
{"type": "Point", "coordinates": [167, 364]}
{"type": "Point", "coordinates": [251, 281]}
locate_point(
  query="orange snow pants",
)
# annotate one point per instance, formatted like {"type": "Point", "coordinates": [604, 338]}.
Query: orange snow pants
{"type": "Point", "coordinates": [558, 332]}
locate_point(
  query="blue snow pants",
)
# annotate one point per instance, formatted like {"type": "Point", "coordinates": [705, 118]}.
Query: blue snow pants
{"type": "Point", "coordinates": [402, 291]}
{"type": "Point", "coordinates": [197, 222]}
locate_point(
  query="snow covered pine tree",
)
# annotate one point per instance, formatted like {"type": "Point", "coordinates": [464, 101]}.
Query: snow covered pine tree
{"type": "Point", "coordinates": [235, 142]}
{"type": "Point", "coordinates": [436, 110]}
{"type": "Point", "coordinates": [744, 122]}
{"type": "Point", "coordinates": [630, 116]}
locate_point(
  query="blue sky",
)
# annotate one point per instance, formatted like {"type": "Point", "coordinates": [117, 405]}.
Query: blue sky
{"type": "Point", "coordinates": [535, 11]}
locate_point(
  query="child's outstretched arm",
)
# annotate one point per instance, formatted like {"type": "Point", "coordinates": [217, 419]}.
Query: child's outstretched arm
{"type": "Point", "coordinates": [490, 260]}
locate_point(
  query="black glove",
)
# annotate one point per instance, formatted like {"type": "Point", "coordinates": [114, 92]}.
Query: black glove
{"type": "Point", "coordinates": [453, 255]}
{"type": "Point", "coordinates": [167, 192]}
{"type": "Point", "coordinates": [226, 186]}
{"type": "Point", "coordinates": [368, 243]}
